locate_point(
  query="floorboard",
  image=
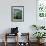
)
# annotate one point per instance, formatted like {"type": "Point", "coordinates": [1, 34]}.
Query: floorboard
{"type": "Point", "coordinates": [13, 44]}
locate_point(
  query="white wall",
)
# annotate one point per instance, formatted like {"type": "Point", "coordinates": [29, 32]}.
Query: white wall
{"type": "Point", "coordinates": [29, 15]}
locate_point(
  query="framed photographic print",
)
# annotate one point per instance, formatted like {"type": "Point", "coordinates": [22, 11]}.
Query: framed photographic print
{"type": "Point", "coordinates": [17, 13]}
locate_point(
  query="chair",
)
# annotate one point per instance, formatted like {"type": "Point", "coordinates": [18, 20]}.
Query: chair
{"type": "Point", "coordinates": [14, 32]}
{"type": "Point", "coordinates": [8, 36]}
{"type": "Point", "coordinates": [26, 41]}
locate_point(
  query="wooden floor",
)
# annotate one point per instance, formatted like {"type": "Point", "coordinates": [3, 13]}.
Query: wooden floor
{"type": "Point", "coordinates": [13, 44]}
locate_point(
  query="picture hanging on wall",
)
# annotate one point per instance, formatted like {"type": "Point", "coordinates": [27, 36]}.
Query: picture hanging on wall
{"type": "Point", "coordinates": [17, 13]}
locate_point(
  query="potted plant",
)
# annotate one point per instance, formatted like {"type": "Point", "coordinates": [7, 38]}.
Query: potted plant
{"type": "Point", "coordinates": [39, 35]}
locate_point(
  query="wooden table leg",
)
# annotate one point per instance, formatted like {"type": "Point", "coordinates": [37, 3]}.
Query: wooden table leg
{"type": "Point", "coordinates": [17, 39]}
{"type": "Point", "coordinates": [5, 40]}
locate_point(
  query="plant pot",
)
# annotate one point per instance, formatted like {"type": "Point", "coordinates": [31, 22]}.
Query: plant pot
{"type": "Point", "coordinates": [40, 41]}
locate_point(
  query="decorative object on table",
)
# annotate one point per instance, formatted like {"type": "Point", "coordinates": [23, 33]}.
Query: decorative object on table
{"type": "Point", "coordinates": [14, 30]}
{"type": "Point", "coordinates": [17, 13]}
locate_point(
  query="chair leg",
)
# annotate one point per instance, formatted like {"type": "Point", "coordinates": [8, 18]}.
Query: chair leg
{"type": "Point", "coordinates": [5, 40]}
{"type": "Point", "coordinates": [5, 43]}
